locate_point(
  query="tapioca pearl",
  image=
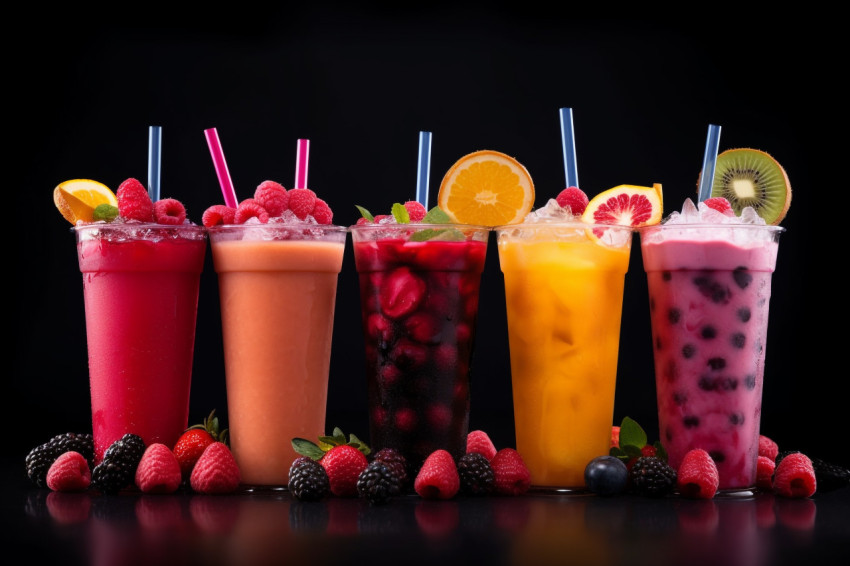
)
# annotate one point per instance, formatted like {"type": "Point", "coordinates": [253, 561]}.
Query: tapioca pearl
{"type": "Point", "coordinates": [666, 276]}
{"type": "Point", "coordinates": [408, 354]}
{"type": "Point", "coordinates": [742, 277]}
{"type": "Point", "coordinates": [744, 314]}
{"type": "Point", "coordinates": [668, 434]}
{"type": "Point", "coordinates": [674, 315]}
{"type": "Point", "coordinates": [379, 416]}
{"type": "Point", "coordinates": [736, 419]}
{"type": "Point", "coordinates": [689, 351]}
{"type": "Point", "coordinates": [750, 382]}
{"type": "Point", "coordinates": [761, 302]}
{"type": "Point", "coordinates": [670, 371]}
{"type": "Point", "coordinates": [717, 456]}
{"type": "Point", "coordinates": [680, 398]}
{"type": "Point", "coordinates": [461, 392]}
{"type": "Point", "coordinates": [717, 363]}
{"type": "Point", "coordinates": [711, 289]}
{"type": "Point", "coordinates": [658, 344]}
{"type": "Point", "coordinates": [690, 421]}
{"type": "Point", "coordinates": [738, 340]}
{"type": "Point", "coordinates": [708, 332]}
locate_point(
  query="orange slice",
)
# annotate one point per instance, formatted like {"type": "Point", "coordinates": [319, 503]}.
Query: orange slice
{"type": "Point", "coordinates": [76, 199]}
{"type": "Point", "coordinates": [487, 188]}
{"type": "Point", "coordinates": [626, 205]}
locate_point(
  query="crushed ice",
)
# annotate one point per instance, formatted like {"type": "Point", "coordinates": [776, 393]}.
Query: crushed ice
{"type": "Point", "coordinates": [703, 214]}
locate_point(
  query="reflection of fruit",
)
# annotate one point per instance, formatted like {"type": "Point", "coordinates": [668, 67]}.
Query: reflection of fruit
{"type": "Point", "coordinates": [76, 199]}
{"type": "Point", "coordinates": [487, 188]}
{"type": "Point", "coordinates": [626, 205]}
{"type": "Point", "coordinates": [750, 177]}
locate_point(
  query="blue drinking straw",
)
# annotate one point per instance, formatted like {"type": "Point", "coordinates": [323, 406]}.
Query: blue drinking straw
{"type": "Point", "coordinates": [569, 146]}
{"type": "Point", "coordinates": [154, 157]}
{"type": "Point", "coordinates": [709, 160]}
{"type": "Point", "coordinates": [424, 169]}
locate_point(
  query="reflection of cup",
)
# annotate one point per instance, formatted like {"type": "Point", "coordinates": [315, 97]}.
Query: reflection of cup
{"type": "Point", "coordinates": [277, 289]}
{"type": "Point", "coordinates": [419, 301]}
{"type": "Point", "coordinates": [140, 283]}
{"type": "Point", "coordinates": [709, 290]}
{"type": "Point", "coordinates": [564, 297]}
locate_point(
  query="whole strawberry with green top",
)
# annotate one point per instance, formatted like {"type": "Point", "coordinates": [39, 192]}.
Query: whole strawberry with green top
{"type": "Point", "coordinates": [195, 440]}
{"type": "Point", "coordinates": [343, 459]}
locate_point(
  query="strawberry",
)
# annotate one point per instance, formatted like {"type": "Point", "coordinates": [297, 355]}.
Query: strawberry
{"type": "Point", "coordinates": [438, 478]}
{"type": "Point", "coordinates": [194, 441]}
{"type": "Point", "coordinates": [216, 471]}
{"type": "Point", "coordinates": [479, 441]}
{"type": "Point", "coordinates": [158, 470]}
{"type": "Point", "coordinates": [343, 465]}
{"type": "Point", "coordinates": [510, 472]}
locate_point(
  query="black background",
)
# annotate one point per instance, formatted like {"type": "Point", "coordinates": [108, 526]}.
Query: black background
{"type": "Point", "coordinates": [360, 85]}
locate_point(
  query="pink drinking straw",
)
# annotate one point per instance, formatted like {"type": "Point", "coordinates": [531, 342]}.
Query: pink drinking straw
{"type": "Point", "coordinates": [221, 168]}
{"type": "Point", "coordinates": [709, 160]}
{"type": "Point", "coordinates": [301, 160]}
{"type": "Point", "coordinates": [424, 168]}
{"type": "Point", "coordinates": [568, 145]}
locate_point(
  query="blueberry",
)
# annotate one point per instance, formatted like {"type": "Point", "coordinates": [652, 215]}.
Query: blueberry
{"type": "Point", "coordinates": [742, 277]}
{"type": "Point", "coordinates": [744, 314]}
{"type": "Point", "coordinates": [606, 475]}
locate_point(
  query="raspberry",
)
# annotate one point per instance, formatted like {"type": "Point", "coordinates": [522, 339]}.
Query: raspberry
{"type": "Point", "coordinates": [615, 437]}
{"type": "Point", "coordinates": [697, 476]}
{"type": "Point", "coordinates": [134, 202]}
{"type": "Point", "coordinates": [322, 212]}
{"type": "Point", "coordinates": [396, 462]}
{"type": "Point", "coordinates": [69, 472]}
{"type": "Point", "coordinates": [573, 198]}
{"type": "Point", "coordinates": [767, 447]}
{"type": "Point", "coordinates": [511, 474]}
{"type": "Point", "coordinates": [765, 467]}
{"type": "Point", "coordinates": [216, 471]}
{"type": "Point", "coordinates": [476, 474]}
{"type": "Point", "coordinates": [479, 441]}
{"type": "Point", "coordinates": [218, 214]}
{"type": "Point", "coordinates": [40, 458]}
{"type": "Point", "coordinates": [415, 210]}
{"type": "Point", "coordinates": [272, 196]}
{"type": "Point", "coordinates": [169, 211]}
{"type": "Point", "coordinates": [249, 208]}
{"type": "Point", "coordinates": [308, 480]}
{"type": "Point", "coordinates": [378, 483]}
{"type": "Point", "coordinates": [362, 220]}
{"type": "Point", "coordinates": [383, 218]}
{"type": "Point", "coordinates": [652, 476]}
{"type": "Point", "coordinates": [158, 470]}
{"type": "Point", "coordinates": [720, 204]}
{"type": "Point", "coordinates": [301, 202]}
{"type": "Point", "coordinates": [438, 478]}
{"type": "Point", "coordinates": [795, 476]}
{"type": "Point", "coordinates": [343, 465]}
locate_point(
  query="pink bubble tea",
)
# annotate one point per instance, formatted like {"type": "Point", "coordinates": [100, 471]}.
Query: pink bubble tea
{"type": "Point", "coordinates": [709, 292]}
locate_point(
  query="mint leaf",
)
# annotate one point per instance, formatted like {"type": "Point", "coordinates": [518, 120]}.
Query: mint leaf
{"type": "Point", "coordinates": [436, 216]}
{"type": "Point", "coordinates": [105, 212]}
{"type": "Point", "coordinates": [306, 448]}
{"type": "Point", "coordinates": [365, 213]}
{"type": "Point", "coordinates": [631, 434]}
{"type": "Point", "coordinates": [400, 214]}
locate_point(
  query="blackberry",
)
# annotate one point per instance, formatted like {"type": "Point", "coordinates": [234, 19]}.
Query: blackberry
{"type": "Point", "coordinates": [652, 476]}
{"type": "Point", "coordinates": [378, 483]}
{"type": "Point", "coordinates": [476, 474]}
{"type": "Point", "coordinates": [830, 476]}
{"type": "Point", "coordinates": [40, 458]}
{"type": "Point", "coordinates": [396, 462]}
{"type": "Point", "coordinates": [117, 470]}
{"type": "Point", "coordinates": [308, 480]}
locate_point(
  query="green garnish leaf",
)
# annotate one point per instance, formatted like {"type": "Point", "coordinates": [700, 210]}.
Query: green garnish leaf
{"type": "Point", "coordinates": [105, 212]}
{"type": "Point", "coordinates": [631, 434]}
{"type": "Point", "coordinates": [306, 448]}
{"type": "Point", "coordinates": [436, 216]}
{"type": "Point", "coordinates": [400, 213]}
{"type": "Point", "coordinates": [365, 213]}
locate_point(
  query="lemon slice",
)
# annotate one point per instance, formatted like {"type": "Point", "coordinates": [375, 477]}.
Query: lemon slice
{"type": "Point", "coordinates": [626, 205]}
{"type": "Point", "coordinates": [487, 188]}
{"type": "Point", "coordinates": [76, 199]}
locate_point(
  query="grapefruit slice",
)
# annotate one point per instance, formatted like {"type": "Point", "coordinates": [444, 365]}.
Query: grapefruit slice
{"type": "Point", "coordinates": [486, 188]}
{"type": "Point", "coordinates": [626, 205]}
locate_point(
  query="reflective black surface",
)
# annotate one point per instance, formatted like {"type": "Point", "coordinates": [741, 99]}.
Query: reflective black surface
{"type": "Point", "coordinates": [274, 528]}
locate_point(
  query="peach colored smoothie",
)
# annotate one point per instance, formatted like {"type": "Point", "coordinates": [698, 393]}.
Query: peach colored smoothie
{"type": "Point", "coordinates": [277, 288]}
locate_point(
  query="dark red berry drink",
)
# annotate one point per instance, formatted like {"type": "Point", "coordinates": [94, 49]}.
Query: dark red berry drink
{"type": "Point", "coordinates": [709, 292]}
{"type": "Point", "coordinates": [419, 305]}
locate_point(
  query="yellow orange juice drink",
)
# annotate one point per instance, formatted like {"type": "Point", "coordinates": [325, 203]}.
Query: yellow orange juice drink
{"type": "Point", "coordinates": [277, 288]}
{"type": "Point", "coordinates": [564, 298]}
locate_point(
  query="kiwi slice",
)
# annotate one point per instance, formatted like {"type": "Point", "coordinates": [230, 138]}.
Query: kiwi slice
{"type": "Point", "coordinates": [750, 177]}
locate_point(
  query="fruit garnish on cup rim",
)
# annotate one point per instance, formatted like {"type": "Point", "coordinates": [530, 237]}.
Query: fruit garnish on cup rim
{"type": "Point", "coordinates": [77, 199]}
{"type": "Point", "coordinates": [412, 213]}
{"type": "Point", "coordinates": [626, 205]}
{"type": "Point", "coordinates": [486, 188]}
{"type": "Point", "coordinates": [751, 177]}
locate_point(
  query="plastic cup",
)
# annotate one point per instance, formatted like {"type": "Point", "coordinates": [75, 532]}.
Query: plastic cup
{"type": "Point", "coordinates": [564, 296]}
{"type": "Point", "coordinates": [419, 305]}
{"type": "Point", "coordinates": [277, 289]}
{"type": "Point", "coordinates": [709, 292]}
{"type": "Point", "coordinates": [140, 283]}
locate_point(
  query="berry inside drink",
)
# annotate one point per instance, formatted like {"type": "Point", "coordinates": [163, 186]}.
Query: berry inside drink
{"type": "Point", "coordinates": [419, 305]}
